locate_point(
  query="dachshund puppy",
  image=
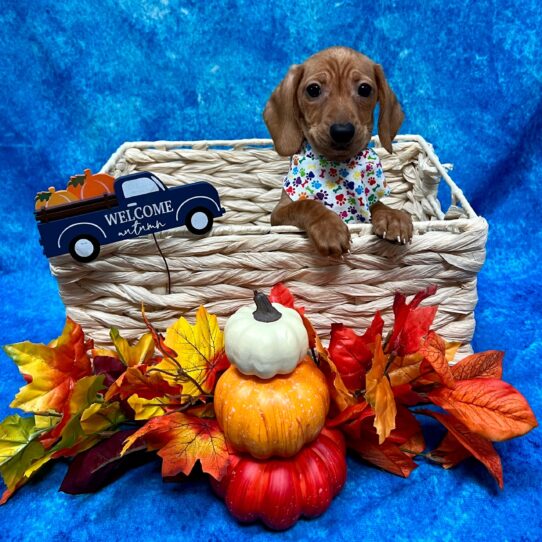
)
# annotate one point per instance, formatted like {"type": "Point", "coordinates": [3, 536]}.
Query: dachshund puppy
{"type": "Point", "coordinates": [323, 113]}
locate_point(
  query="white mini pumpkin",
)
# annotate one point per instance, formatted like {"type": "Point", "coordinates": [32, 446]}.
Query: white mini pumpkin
{"type": "Point", "coordinates": [265, 339]}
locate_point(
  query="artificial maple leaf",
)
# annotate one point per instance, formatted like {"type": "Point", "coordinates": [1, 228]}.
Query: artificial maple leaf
{"type": "Point", "coordinates": [84, 392]}
{"type": "Point", "coordinates": [106, 363]}
{"type": "Point", "coordinates": [352, 353]}
{"type": "Point", "coordinates": [19, 449]}
{"type": "Point", "coordinates": [482, 365]}
{"type": "Point", "coordinates": [199, 355]}
{"type": "Point", "coordinates": [182, 440]}
{"type": "Point", "coordinates": [379, 393]}
{"type": "Point", "coordinates": [411, 323]}
{"type": "Point", "coordinates": [145, 409]}
{"type": "Point", "coordinates": [101, 416]}
{"type": "Point", "coordinates": [144, 381]}
{"type": "Point", "coordinates": [478, 446]}
{"type": "Point", "coordinates": [93, 469]}
{"type": "Point", "coordinates": [433, 351]}
{"type": "Point", "coordinates": [136, 354]}
{"type": "Point", "coordinates": [487, 406]}
{"type": "Point", "coordinates": [50, 370]}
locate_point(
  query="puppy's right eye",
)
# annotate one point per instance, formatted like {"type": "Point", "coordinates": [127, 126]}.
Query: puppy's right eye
{"type": "Point", "coordinates": [314, 90]}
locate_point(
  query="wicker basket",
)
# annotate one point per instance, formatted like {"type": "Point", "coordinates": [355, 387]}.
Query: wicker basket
{"type": "Point", "coordinates": [243, 252]}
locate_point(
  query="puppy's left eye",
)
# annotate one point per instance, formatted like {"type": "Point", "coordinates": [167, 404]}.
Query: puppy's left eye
{"type": "Point", "coordinates": [364, 90]}
{"type": "Point", "coordinates": [314, 90]}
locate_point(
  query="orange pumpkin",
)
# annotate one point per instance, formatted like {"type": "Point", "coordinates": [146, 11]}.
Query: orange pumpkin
{"type": "Point", "coordinates": [52, 198]}
{"type": "Point", "coordinates": [90, 186]}
{"type": "Point", "coordinates": [273, 417]}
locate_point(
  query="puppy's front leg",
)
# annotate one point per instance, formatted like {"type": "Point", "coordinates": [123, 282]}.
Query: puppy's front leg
{"type": "Point", "coordinates": [325, 229]}
{"type": "Point", "coordinates": [391, 224]}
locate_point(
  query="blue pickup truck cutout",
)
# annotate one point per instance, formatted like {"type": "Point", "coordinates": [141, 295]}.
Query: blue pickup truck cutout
{"type": "Point", "coordinates": [140, 205]}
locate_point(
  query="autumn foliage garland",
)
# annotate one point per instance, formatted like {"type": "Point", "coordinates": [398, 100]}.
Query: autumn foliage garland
{"type": "Point", "coordinates": [102, 406]}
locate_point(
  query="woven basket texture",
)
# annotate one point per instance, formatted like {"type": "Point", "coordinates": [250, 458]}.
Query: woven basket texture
{"type": "Point", "coordinates": [243, 252]}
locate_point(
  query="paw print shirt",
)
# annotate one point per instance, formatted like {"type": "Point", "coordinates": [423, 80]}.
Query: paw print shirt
{"type": "Point", "coordinates": [349, 188]}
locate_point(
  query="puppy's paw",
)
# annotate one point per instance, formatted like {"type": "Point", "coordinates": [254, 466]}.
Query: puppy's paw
{"type": "Point", "coordinates": [329, 234]}
{"type": "Point", "coordinates": [391, 224]}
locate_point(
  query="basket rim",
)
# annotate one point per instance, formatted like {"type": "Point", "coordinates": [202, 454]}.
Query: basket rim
{"type": "Point", "coordinates": [240, 144]}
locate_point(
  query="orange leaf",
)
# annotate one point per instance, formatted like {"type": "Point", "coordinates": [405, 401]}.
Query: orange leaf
{"type": "Point", "coordinates": [450, 452]}
{"type": "Point", "coordinates": [405, 369]}
{"type": "Point", "coordinates": [386, 456]}
{"type": "Point", "coordinates": [433, 351]}
{"type": "Point", "coordinates": [182, 440]}
{"type": "Point", "coordinates": [51, 371]}
{"type": "Point", "coordinates": [380, 395]}
{"type": "Point", "coordinates": [487, 406]}
{"type": "Point", "coordinates": [142, 381]}
{"type": "Point", "coordinates": [478, 446]}
{"type": "Point", "coordinates": [482, 365]}
{"type": "Point", "coordinates": [408, 433]}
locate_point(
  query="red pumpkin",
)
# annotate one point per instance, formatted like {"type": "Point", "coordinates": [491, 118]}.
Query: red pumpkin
{"type": "Point", "coordinates": [278, 491]}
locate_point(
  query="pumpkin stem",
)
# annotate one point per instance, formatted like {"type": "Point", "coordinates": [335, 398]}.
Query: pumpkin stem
{"type": "Point", "coordinates": [265, 312]}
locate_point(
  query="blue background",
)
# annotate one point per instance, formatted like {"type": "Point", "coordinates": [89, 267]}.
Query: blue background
{"type": "Point", "coordinates": [79, 78]}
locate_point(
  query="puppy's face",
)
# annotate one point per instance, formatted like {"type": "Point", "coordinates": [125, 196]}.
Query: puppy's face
{"type": "Point", "coordinates": [337, 95]}
{"type": "Point", "coordinates": [329, 100]}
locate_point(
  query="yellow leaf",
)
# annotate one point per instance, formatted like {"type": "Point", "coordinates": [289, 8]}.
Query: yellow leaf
{"type": "Point", "coordinates": [19, 451]}
{"type": "Point", "coordinates": [405, 369]}
{"type": "Point", "coordinates": [380, 395]}
{"type": "Point", "coordinates": [140, 353]}
{"type": "Point", "coordinates": [149, 408]}
{"type": "Point", "coordinates": [50, 370]}
{"type": "Point", "coordinates": [101, 416]}
{"type": "Point", "coordinates": [197, 347]}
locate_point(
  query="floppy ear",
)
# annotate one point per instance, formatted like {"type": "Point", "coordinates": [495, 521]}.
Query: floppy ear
{"type": "Point", "coordinates": [391, 115]}
{"type": "Point", "coordinates": [281, 114]}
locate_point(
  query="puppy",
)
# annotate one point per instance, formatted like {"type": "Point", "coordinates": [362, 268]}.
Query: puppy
{"type": "Point", "coordinates": [323, 112]}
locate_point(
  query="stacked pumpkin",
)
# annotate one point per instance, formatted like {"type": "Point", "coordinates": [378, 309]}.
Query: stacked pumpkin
{"type": "Point", "coordinates": [271, 405]}
{"type": "Point", "coordinates": [80, 187]}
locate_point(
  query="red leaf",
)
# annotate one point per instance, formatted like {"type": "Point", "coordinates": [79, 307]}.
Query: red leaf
{"type": "Point", "coordinates": [487, 406]}
{"type": "Point", "coordinates": [281, 294]}
{"type": "Point", "coordinates": [352, 353]}
{"type": "Point", "coordinates": [482, 365]}
{"type": "Point", "coordinates": [411, 323]}
{"type": "Point", "coordinates": [406, 396]}
{"type": "Point", "coordinates": [478, 446]}
{"type": "Point", "coordinates": [433, 351]}
{"type": "Point", "coordinates": [351, 413]}
{"type": "Point", "coordinates": [95, 468]}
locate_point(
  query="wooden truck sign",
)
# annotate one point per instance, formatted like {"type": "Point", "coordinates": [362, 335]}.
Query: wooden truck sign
{"type": "Point", "coordinates": [139, 204]}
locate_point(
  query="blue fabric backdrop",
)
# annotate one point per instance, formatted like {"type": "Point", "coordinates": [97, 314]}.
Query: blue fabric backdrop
{"type": "Point", "coordinates": [79, 78]}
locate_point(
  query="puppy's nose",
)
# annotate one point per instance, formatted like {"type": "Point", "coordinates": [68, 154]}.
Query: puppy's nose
{"type": "Point", "coordinates": [342, 133]}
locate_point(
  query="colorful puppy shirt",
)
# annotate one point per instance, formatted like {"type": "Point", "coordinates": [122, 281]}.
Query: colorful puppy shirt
{"type": "Point", "coordinates": [349, 188]}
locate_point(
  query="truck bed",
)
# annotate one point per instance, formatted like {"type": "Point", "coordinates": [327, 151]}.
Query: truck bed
{"type": "Point", "coordinates": [76, 208]}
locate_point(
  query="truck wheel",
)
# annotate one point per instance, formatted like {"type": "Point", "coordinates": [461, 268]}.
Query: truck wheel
{"type": "Point", "coordinates": [199, 221]}
{"type": "Point", "coordinates": [84, 248]}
